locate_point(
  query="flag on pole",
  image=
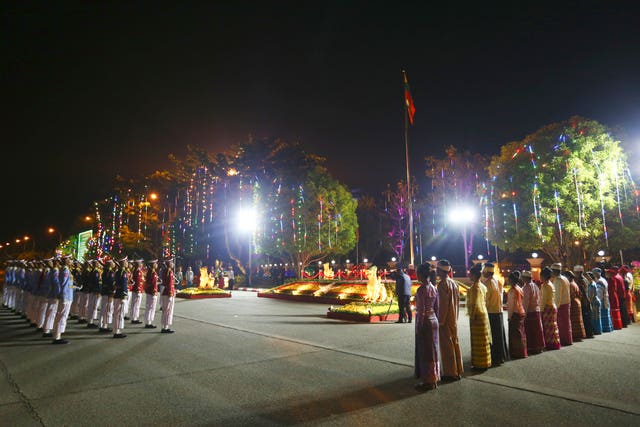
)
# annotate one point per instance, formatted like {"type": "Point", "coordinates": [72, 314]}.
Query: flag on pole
{"type": "Point", "coordinates": [411, 108]}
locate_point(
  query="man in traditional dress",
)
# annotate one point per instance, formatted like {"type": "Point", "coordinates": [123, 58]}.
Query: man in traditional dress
{"type": "Point", "coordinates": [494, 307]}
{"type": "Point", "coordinates": [449, 304]}
{"type": "Point", "coordinates": [516, 315]}
{"type": "Point", "coordinates": [585, 302]}
{"type": "Point", "coordinates": [577, 324]}
{"type": "Point", "coordinates": [533, 321]}
{"type": "Point", "coordinates": [563, 302]}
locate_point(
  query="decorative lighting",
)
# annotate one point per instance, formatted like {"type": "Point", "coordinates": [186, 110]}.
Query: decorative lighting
{"type": "Point", "coordinates": [480, 256]}
{"type": "Point", "coordinates": [600, 253]}
{"type": "Point", "coordinates": [534, 255]}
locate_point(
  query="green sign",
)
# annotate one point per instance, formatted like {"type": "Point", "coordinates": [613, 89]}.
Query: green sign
{"type": "Point", "coordinates": [83, 239]}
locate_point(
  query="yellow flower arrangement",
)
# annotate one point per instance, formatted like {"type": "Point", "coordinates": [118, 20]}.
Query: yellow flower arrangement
{"type": "Point", "coordinates": [201, 291]}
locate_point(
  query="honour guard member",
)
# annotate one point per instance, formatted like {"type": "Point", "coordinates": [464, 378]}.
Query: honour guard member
{"type": "Point", "coordinates": [121, 290]}
{"type": "Point", "coordinates": [65, 298]}
{"type": "Point", "coordinates": [168, 298]}
{"type": "Point", "coordinates": [52, 299]}
{"type": "Point", "coordinates": [151, 291]}
{"type": "Point", "coordinates": [137, 290]}
{"type": "Point", "coordinates": [106, 292]}
{"type": "Point", "coordinates": [94, 283]}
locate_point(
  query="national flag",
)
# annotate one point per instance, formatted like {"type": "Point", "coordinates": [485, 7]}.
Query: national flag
{"type": "Point", "coordinates": [411, 108]}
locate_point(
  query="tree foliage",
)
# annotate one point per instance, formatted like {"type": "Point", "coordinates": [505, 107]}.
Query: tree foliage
{"type": "Point", "coordinates": [566, 190]}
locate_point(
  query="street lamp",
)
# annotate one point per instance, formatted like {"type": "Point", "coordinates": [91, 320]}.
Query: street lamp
{"type": "Point", "coordinates": [463, 215]}
{"type": "Point", "coordinates": [247, 224]}
{"type": "Point", "coordinates": [52, 230]}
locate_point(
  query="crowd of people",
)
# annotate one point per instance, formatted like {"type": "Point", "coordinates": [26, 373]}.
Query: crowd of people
{"type": "Point", "coordinates": [562, 308]}
{"type": "Point", "coordinates": [100, 293]}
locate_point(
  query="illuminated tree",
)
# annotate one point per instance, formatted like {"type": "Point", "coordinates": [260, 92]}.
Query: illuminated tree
{"type": "Point", "coordinates": [566, 190]}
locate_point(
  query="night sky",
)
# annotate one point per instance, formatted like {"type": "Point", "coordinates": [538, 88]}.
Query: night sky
{"type": "Point", "coordinates": [95, 89]}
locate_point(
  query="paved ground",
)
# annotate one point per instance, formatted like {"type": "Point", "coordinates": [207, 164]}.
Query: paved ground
{"type": "Point", "coordinates": [257, 361]}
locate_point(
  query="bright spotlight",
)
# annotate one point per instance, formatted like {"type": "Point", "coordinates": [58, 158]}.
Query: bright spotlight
{"type": "Point", "coordinates": [462, 215]}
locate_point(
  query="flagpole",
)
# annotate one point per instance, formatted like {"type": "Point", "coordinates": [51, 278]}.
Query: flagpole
{"type": "Point", "coordinates": [410, 199]}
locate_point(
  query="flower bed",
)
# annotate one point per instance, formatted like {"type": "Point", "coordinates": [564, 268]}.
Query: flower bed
{"type": "Point", "coordinates": [363, 312]}
{"type": "Point", "coordinates": [200, 293]}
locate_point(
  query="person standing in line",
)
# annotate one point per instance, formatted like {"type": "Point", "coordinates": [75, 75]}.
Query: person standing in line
{"type": "Point", "coordinates": [95, 292]}
{"type": "Point", "coordinates": [168, 298]}
{"type": "Point", "coordinates": [403, 293]}
{"type": "Point", "coordinates": [83, 299]}
{"type": "Point", "coordinates": [64, 291]}
{"type": "Point", "coordinates": [621, 291]}
{"type": "Point", "coordinates": [549, 311]}
{"type": "Point", "coordinates": [577, 325]}
{"type": "Point", "coordinates": [516, 315]}
{"type": "Point", "coordinates": [52, 300]}
{"type": "Point", "coordinates": [151, 294]}
{"type": "Point", "coordinates": [448, 310]}
{"type": "Point", "coordinates": [107, 291]}
{"type": "Point", "coordinates": [603, 295]}
{"type": "Point", "coordinates": [427, 366]}
{"type": "Point", "coordinates": [137, 290]}
{"type": "Point", "coordinates": [563, 304]}
{"type": "Point", "coordinates": [614, 301]}
{"type": "Point", "coordinates": [627, 277]}
{"type": "Point", "coordinates": [120, 294]}
{"type": "Point", "coordinates": [478, 321]}
{"type": "Point", "coordinates": [533, 321]}
{"type": "Point", "coordinates": [585, 303]}
{"type": "Point", "coordinates": [595, 303]}
{"type": "Point", "coordinates": [45, 289]}
{"type": "Point", "coordinates": [494, 307]}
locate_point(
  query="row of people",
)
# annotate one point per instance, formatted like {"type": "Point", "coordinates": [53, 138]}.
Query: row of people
{"type": "Point", "coordinates": [564, 308]}
{"type": "Point", "coordinates": [99, 293]}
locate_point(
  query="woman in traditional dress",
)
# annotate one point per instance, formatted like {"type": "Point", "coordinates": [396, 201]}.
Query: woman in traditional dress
{"type": "Point", "coordinates": [577, 325]}
{"type": "Point", "coordinates": [533, 321]}
{"type": "Point", "coordinates": [595, 303]}
{"type": "Point", "coordinates": [516, 314]}
{"type": "Point", "coordinates": [478, 321]}
{"type": "Point", "coordinates": [427, 367]}
{"type": "Point", "coordinates": [603, 295]}
{"type": "Point", "coordinates": [585, 303]}
{"type": "Point", "coordinates": [614, 301]}
{"type": "Point", "coordinates": [549, 311]}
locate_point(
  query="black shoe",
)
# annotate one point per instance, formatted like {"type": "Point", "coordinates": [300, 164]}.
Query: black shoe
{"type": "Point", "coordinates": [399, 321]}
{"type": "Point", "coordinates": [136, 322]}
{"type": "Point", "coordinates": [409, 321]}
{"type": "Point", "coordinates": [119, 335]}
{"type": "Point", "coordinates": [40, 330]}
{"type": "Point", "coordinates": [150, 326]}
{"type": "Point", "coordinates": [126, 318]}
{"type": "Point", "coordinates": [74, 317]}
{"type": "Point", "coordinates": [60, 341]}
{"type": "Point", "coordinates": [91, 325]}
{"type": "Point", "coordinates": [82, 321]}
{"type": "Point", "coordinates": [47, 335]}
{"type": "Point", "coordinates": [105, 330]}
{"type": "Point", "coordinates": [167, 331]}
{"type": "Point", "coordinates": [33, 324]}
